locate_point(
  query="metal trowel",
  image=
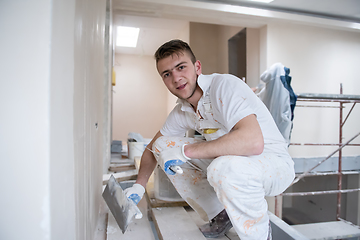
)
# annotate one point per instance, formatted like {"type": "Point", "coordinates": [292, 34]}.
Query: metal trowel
{"type": "Point", "coordinates": [122, 208]}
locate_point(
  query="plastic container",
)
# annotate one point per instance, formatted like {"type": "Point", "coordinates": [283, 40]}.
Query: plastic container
{"type": "Point", "coordinates": [135, 149]}
{"type": "Point", "coordinates": [116, 146]}
{"type": "Point", "coordinates": [163, 188]}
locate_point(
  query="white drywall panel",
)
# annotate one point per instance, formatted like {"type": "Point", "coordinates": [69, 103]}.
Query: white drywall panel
{"type": "Point", "coordinates": [61, 159]}
{"type": "Point", "coordinates": [24, 122]}
{"type": "Point", "coordinates": [52, 71]}
{"type": "Point", "coordinates": [88, 110]}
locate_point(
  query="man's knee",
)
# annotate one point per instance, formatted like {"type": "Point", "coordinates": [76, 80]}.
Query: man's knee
{"type": "Point", "coordinates": [218, 171]}
{"type": "Point", "coordinates": [234, 172]}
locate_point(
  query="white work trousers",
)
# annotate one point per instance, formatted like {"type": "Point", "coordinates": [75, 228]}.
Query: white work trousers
{"type": "Point", "coordinates": [240, 184]}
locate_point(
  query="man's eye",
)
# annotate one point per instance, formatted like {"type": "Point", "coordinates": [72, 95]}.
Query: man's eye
{"type": "Point", "coordinates": [166, 75]}
{"type": "Point", "coordinates": [181, 67]}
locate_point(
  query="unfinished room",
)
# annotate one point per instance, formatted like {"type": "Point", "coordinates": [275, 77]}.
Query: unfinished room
{"type": "Point", "coordinates": [181, 120]}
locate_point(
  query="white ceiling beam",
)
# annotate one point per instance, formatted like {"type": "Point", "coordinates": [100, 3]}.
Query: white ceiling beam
{"type": "Point", "coordinates": [225, 14]}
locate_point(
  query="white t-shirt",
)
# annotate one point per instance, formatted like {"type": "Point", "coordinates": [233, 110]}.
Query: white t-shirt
{"type": "Point", "coordinates": [230, 101]}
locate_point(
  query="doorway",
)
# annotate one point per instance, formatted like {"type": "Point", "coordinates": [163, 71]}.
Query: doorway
{"type": "Point", "coordinates": [237, 54]}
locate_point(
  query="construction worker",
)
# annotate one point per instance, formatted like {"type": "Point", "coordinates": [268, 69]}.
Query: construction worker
{"type": "Point", "coordinates": [244, 158]}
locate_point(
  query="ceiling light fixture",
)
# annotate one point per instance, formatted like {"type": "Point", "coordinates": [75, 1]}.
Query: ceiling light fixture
{"type": "Point", "coordinates": [127, 36]}
{"type": "Point", "coordinates": [263, 1]}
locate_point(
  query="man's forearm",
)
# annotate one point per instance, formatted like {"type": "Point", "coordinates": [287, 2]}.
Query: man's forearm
{"type": "Point", "coordinates": [245, 139]}
{"type": "Point", "coordinates": [148, 163]}
{"type": "Point", "coordinates": [147, 166]}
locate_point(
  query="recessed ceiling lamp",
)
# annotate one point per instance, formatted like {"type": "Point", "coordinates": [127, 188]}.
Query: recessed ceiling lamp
{"type": "Point", "coordinates": [127, 36]}
{"type": "Point", "coordinates": [263, 1]}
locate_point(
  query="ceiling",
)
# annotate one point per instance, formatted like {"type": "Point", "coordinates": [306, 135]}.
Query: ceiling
{"type": "Point", "coordinates": [153, 32]}
{"type": "Point", "coordinates": [348, 10]}
{"type": "Point", "coordinates": [160, 20]}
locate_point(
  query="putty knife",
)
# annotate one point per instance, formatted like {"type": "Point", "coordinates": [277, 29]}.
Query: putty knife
{"type": "Point", "coordinates": [122, 208]}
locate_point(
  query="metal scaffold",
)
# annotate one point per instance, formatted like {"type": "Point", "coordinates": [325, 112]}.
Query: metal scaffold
{"type": "Point", "coordinates": [340, 99]}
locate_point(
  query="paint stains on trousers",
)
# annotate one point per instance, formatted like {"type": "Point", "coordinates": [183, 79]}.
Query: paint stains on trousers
{"type": "Point", "coordinates": [238, 184]}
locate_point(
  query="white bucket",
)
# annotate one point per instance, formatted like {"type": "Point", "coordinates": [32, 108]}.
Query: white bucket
{"type": "Point", "coordinates": [135, 149]}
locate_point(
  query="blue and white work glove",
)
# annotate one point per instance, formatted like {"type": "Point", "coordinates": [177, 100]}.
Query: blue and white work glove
{"type": "Point", "coordinates": [135, 193]}
{"type": "Point", "coordinates": [170, 159]}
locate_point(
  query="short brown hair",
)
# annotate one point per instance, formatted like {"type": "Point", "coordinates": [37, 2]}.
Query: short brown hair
{"type": "Point", "coordinates": [175, 46]}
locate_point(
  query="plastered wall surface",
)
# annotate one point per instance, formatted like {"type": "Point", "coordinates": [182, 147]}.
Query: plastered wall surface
{"type": "Point", "coordinates": [90, 89]}
{"type": "Point", "coordinates": [262, 49]}
{"type": "Point", "coordinates": [24, 121]}
{"type": "Point", "coordinates": [204, 45]}
{"type": "Point", "coordinates": [209, 44]}
{"type": "Point", "coordinates": [61, 122]}
{"type": "Point", "coordinates": [140, 97]}
{"type": "Point", "coordinates": [252, 56]}
{"type": "Point", "coordinates": [320, 59]}
{"type": "Point", "coordinates": [52, 73]}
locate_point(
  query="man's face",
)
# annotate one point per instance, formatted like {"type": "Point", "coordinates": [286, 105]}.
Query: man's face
{"type": "Point", "coordinates": [179, 74]}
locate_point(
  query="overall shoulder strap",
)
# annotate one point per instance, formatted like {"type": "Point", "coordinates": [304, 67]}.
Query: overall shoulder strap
{"type": "Point", "coordinates": [207, 102]}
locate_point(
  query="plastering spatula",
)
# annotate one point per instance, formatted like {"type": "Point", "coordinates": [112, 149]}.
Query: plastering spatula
{"type": "Point", "coordinates": [122, 208]}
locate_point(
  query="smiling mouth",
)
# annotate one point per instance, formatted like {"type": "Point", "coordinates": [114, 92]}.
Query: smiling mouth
{"type": "Point", "coordinates": [181, 87]}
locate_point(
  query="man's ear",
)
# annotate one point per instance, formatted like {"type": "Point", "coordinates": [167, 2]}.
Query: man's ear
{"type": "Point", "coordinates": [198, 67]}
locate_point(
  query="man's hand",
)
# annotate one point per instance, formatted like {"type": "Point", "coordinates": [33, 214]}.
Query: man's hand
{"type": "Point", "coordinates": [135, 193]}
{"type": "Point", "coordinates": [172, 157]}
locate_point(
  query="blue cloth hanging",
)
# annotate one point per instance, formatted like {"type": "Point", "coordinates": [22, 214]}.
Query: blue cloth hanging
{"type": "Point", "coordinates": [286, 81]}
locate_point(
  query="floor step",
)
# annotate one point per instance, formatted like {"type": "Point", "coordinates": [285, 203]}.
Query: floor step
{"type": "Point", "coordinates": [328, 230]}
{"type": "Point", "coordinates": [175, 223]}
{"type": "Point", "coordinates": [120, 167]}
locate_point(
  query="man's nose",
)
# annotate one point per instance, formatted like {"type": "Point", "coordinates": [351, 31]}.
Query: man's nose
{"type": "Point", "coordinates": [176, 76]}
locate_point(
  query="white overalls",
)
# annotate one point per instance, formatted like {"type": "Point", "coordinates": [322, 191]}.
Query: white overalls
{"type": "Point", "coordinates": [240, 183]}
